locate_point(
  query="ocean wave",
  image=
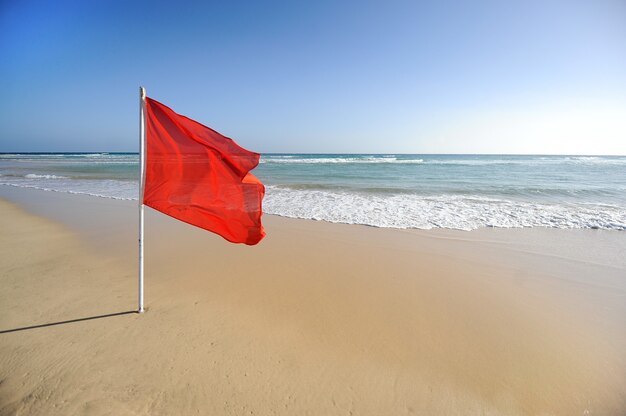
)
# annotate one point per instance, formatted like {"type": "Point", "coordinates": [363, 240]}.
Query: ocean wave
{"type": "Point", "coordinates": [445, 211]}
{"type": "Point", "coordinates": [69, 191]}
{"type": "Point", "coordinates": [339, 160]}
{"type": "Point", "coordinates": [70, 157]}
{"type": "Point", "coordinates": [389, 208]}
{"type": "Point", "coordinates": [433, 160]}
{"type": "Point", "coordinates": [36, 176]}
{"type": "Point", "coordinates": [585, 158]}
{"type": "Point", "coordinates": [114, 189]}
{"type": "Point", "coordinates": [581, 160]}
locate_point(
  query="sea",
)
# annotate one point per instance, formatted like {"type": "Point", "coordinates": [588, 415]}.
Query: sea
{"type": "Point", "coordinates": [404, 191]}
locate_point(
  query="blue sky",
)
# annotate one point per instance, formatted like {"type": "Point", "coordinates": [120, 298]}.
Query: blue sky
{"type": "Point", "coordinates": [324, 76]}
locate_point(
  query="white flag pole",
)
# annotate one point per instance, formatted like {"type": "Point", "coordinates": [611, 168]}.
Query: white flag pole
{"type": "Point", "coordinates": [142, 173]}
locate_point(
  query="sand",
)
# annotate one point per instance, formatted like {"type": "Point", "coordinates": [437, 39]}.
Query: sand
{"type": "Point", "coordinates": [319, 319]}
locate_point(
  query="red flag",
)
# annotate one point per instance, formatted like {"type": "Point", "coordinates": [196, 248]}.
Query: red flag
{"type": "Point", "coordinates": [198, 176]}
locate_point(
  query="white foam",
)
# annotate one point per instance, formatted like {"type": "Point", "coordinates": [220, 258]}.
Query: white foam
{"type": "Point", "coordinates": [69, 192]}
{"type": "Point", "coordinates": [445, 211]}
{"type": "Point", "coordinates": [101, 188]}
{"type": "Point", "coordinates": [433, 160]}
{"type": "Point", "coordinates": [383, 210]}
{"type": "Point", "coordinates": [587, 160]}
{"type": "Point", "coordinates": [72, 158]}
{"type": "Point", "coordinates": [35, 176]}
{"type": "Point", "coordinates": [339, 160]}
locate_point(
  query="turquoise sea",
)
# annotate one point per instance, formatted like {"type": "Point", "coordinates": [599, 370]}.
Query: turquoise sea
{"type": "Point", "coordinates": [384, 190]}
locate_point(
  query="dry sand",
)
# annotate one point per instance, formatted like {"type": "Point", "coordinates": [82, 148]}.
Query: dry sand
{"type": "Point", "coordinates": [319, 319]}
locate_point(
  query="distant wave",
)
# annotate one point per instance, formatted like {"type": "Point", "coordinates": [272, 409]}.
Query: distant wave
{"type": "Point", "coordinates": [69, 158]}
{"type": "Point", "coordinates": [35, 176]}
{"type": "Point", "coordinates": [339, 160]}
{"type": "Point", "coordinates": [531, 161]}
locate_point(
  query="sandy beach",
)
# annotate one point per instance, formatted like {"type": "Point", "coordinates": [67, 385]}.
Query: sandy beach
{"type": "Point", "coordinates": [319, 319]}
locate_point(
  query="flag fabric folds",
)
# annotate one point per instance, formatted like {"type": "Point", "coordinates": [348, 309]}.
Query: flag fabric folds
{"type": "Point", "coordinates": [198, 176]}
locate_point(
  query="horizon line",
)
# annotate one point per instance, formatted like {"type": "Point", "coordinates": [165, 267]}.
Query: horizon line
{"type": "Point", "coordinates": [337, 153]}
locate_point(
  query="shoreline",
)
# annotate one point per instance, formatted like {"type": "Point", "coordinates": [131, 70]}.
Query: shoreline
{"type": "Point", "coordinates": [319, 318]}
{"type": "Point", "coordinates": [603, 248]}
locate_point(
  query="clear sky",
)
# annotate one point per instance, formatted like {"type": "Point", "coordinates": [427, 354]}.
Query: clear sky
{"type": "Point", "coordinates": [319, 76]}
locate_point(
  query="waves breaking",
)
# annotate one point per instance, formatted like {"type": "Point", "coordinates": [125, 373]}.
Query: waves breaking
{"type": "Point", "coordinates": [400, 211]}
{"type": "Point", "coordinates": [463, 192]}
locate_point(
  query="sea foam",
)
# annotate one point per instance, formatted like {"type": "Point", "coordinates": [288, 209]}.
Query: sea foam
{"type": "Point", "coordinates": [36, 176]}
{"type": "Point", "coordinates": [443, 211]}
{"type": "Point", "coordinates": [338, 160]}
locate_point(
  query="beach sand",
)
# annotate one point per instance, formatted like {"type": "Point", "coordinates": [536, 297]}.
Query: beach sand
{"type": "Point", "coordinates": [318, 319]}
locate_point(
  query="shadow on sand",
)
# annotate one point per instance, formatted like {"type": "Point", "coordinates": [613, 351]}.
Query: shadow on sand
{"type": "Point", "coordinates": [89, 318]}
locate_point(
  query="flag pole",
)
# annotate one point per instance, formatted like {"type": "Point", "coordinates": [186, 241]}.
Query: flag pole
{"type": "Point", "coordinates": [142, 173]}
